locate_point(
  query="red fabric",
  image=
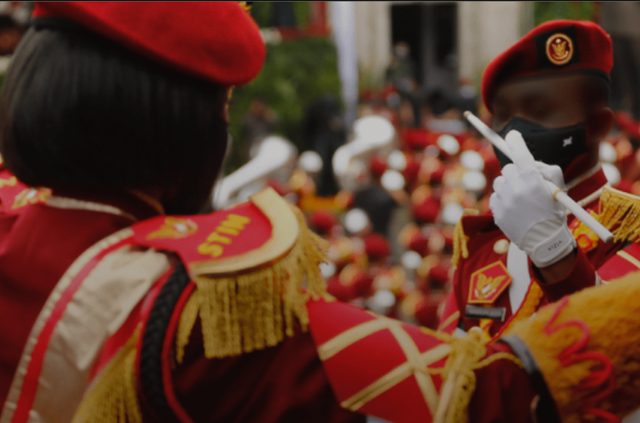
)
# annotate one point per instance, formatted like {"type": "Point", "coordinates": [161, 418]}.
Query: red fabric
{"type": "Point", "coordinates": [591, 46]}
{"type": "Point", "coordinates": [282, 384]}
{"type": "Point", "coordinates": [503, 392]}
{"type": "Point", "coordinates": [216, 41]}
{"type": "Point", "coordinates": [252, 231]}
{"type": "Point", "coordinates": [617, 266]}
{"type": "Point", "coordinates": [582, 275]}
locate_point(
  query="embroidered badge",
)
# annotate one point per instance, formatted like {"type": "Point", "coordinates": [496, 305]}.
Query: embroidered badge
{"type": "Point", "coordinates": [587, 239]}
{"type": "Point", "coordinates": [11, 182]}
{"type": "Point", "coordinates": [31, 196]}
{"type": "Point", "coordinates": [174, 227]}
{"type": "Point", "coordinates": [488, 283]}
{"type": "Point", "coordinates": [559, 49]}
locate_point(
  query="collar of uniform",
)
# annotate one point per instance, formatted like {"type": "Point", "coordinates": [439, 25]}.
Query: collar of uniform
{"type": "Point", "coordinates": [589, 184]}
{"type": "Point", "coordinates": [118, 202]}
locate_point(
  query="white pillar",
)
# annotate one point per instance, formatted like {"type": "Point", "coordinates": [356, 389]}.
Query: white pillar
{"type": "Point", "coordinates": [342, 18]}
{"type": "Point", "coordinates": [485, 30]}
{"type": "Point", "coordinates": [373, 40]}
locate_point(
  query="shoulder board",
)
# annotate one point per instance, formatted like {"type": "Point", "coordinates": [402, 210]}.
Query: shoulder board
{"type": "Point", "coordinates": [241, 238]}
{"type": "Point", "coordinates": [254, 267]}
{"type": "Point", "coordinates": [618, 211]}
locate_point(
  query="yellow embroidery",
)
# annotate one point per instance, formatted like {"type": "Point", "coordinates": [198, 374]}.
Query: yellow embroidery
{"type": "Point", "coordinates": [559, 49]}
{"type": "Point", "coordinates": [232, 225]}
{"type": "Point", "coordinates": [175, 228]}
{"type": "Point", "coordinates": [8, 182]}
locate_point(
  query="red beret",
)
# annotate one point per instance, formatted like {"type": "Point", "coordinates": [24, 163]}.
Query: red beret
{"type": "Point", "coordinates": [428, 211]}
{"type": "Point", "coordinates": [376, 246]}
{"type": "Point", "coordinates": [322, 220]}
{"type": "Point", "coordinates": [420, 244]}
{"type": "Point", "coordinates": [216, 41]}
{"type": "Point", "coordinates": [551, 48]}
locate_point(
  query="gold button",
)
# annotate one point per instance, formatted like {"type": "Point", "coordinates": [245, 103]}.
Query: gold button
{"type": "Point", "coordinates": [501, 246]}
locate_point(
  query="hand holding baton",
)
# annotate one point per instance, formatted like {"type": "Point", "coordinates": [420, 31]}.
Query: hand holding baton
{"type": "Point", "coordinates": [524, 160]}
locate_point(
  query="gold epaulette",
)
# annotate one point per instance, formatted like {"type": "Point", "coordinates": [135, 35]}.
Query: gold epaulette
{"type": "Point", "coordinates": [620, 213]}
{"type": "Point", "coordinates": [254, 266]}
{"type": "Point", "coordinates": [247, 309]}
{"type": "Point", "coordinates": [460, 239]}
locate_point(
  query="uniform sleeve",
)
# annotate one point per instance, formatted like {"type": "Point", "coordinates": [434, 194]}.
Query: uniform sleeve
{"type": "Point", "coordinates": [582, 275]}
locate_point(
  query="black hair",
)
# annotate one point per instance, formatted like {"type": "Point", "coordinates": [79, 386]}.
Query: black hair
{"type": "Point", "coordinates": [80, 111]}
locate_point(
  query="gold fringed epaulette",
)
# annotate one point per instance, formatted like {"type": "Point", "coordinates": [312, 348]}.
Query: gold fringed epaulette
{"type": "Point", "coordinates": [255, 266]}
{"type": "Point", "coordinates": [248, 311]}
{"type": "Point", "coordinates": [620, 213]}
{"type": "Point", "coordinates": [467, 355]}
{"type": "Point", "coordinates": [114, 397]}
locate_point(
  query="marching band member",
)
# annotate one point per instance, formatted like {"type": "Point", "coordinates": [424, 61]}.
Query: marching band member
{"type": "Point", "coordinates": [552, 86]}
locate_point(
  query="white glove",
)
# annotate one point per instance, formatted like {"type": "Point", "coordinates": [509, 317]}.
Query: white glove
{"type": "Point", "coordinates": [524, 209]}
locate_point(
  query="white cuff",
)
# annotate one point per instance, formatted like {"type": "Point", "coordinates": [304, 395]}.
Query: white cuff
{"type": "Point", "coordinates": [554, 248]}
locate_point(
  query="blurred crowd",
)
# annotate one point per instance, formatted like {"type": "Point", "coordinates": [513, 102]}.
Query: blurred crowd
{"type": "Point", "coordinates": [387, 193]}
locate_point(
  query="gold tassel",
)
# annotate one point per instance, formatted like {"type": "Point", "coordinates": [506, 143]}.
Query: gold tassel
{"type": "Point", "coordinates": [113, 397]}
{"type": "Point", "coordinates": [622, 211]}
{"type": "Point", "coordinates": [247, 312]}
{"type": "Point", "coordinates": [459, 375]}
{"type": "Point", "coordinates": [459, 244]}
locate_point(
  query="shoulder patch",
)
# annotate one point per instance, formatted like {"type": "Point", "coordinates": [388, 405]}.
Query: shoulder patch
{"type": "Point", "coordinates": [247, 236]}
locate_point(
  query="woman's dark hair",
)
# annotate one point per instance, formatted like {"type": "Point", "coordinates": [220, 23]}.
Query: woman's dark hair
{"type": "Point", "coordinates": [80, 111]}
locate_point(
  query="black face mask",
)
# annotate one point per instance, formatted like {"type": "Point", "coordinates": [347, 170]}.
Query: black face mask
{"type": "Point", "coordinates": [551, 146]}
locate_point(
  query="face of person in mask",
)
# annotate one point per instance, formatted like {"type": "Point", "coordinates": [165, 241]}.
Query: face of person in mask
{"type": "Point", "coordinates": [562, 118]}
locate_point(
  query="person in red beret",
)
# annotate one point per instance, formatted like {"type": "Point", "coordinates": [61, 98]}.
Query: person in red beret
{"type": "Point", "coordinates": [119, 301]}
{"type": "Point", "coordinates": [552, 87]}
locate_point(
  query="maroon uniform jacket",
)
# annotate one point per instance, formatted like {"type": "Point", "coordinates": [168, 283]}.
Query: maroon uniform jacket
{"type": "Point", "coordinates": [496, 285]}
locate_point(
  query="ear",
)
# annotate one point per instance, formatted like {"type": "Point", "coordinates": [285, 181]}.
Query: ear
{"type": "Point", "coordinates": [600, 124]}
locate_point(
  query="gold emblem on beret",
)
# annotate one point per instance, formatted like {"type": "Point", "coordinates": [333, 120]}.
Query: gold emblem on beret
{"type": "Point", "coordinates": [559, 49]}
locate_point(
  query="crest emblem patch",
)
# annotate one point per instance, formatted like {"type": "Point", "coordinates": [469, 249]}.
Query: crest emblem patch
{"type": "Point", "coordinates": [559, 49]}
{"type": "Point", "coordinates": [488, 283]}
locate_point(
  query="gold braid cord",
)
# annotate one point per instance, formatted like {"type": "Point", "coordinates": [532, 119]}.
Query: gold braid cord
{"type": "Point", "coordinates": [245, 312]}
{"type": "Point", "coordinates": [622, 211]}
{"type": "Point", "coordinates": [113, 398]}
{"type": "Point", "coordinates": [459, 244]}
{"type": "Point", "coordinates": [459, 375]}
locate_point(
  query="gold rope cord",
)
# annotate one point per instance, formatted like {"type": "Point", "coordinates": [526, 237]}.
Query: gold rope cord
{"type": "Point", "coordinates": [248, 312]}
{"type": "Point", "coordinates": [621, 210]}
{"type": "Point", "coordinates": [459, 244]}
{"type": "Point", "coordinates": [113, 397]}
{"type": "Point", "coordinates": [459, 375]}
